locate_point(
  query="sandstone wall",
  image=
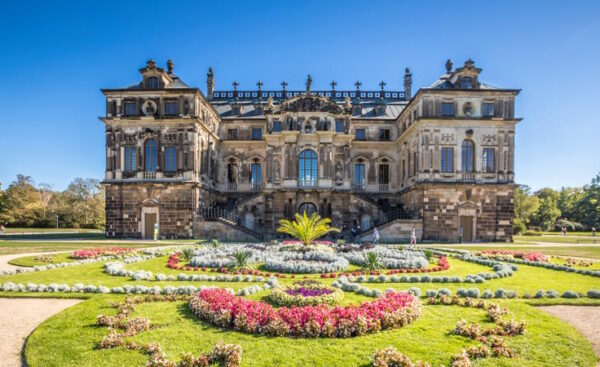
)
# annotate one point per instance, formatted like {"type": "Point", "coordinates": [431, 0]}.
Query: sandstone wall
{"type": "Point", "coordinates": [221, 231]}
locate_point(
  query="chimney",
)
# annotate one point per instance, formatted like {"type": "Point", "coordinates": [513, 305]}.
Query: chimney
{"type": "Point", "coordinates": [210, 83]}
{"type": "Point", "coordinates": [407, 84]}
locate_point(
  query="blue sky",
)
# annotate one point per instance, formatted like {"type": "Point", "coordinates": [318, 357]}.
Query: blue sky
{"type": "Point", "coordinates": [57, 55]}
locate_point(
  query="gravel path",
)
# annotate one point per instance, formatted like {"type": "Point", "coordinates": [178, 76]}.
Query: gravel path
{"type": "Point", "coordinates": [19, 317]}
{"type": "Point", "coordinates": [586, 319]}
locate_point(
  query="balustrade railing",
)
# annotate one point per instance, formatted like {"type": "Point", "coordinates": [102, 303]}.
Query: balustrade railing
{"type": "Point", "coordinates": [232, 186]}
{"type": "Point", "coordinates": [468, 176]}
{"type": "Point", "coordinates": [149, 175]}
{"type": "Point", "coordinates": [307, 183]}
{"type": "Point", "coordinates": [358, 186]}
{"type": "Point", "coordinates": [384, 187]}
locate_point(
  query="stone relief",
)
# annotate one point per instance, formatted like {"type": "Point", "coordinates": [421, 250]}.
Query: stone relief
{"type": "Point", "coordinates": [447, 138]}
{"type": "Point", "coordinates": [339, 173]}
{"type": "Point", "coordinates": [311, 104]}
{"type": "Point", "coordinates": [489, 139]}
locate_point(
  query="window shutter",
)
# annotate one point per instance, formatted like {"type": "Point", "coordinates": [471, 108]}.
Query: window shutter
{"type": "Point", "coordinates": [438, 107]}
{"type": "Point", "coordinates": [499, 108]}
{"type": "Point", "coordinates": [510, 109]}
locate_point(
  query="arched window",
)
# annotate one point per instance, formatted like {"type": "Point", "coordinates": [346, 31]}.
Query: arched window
{"type": "Point", "coordinates": [150, 155]}
{"type": "Point", "coordinates": [152, 82]}
{"type": "Point", "coordinates": [307, 168]}
{"type": "Point", "coordinates": [468, 156]}
{"type": "Point", "coordinates": [466, 82]}
{"type": "Point", "coordinates": [307, 208]}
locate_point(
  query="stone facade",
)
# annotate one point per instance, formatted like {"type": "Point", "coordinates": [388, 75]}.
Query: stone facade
{"type": "Point", "coordinates": [441, 160]}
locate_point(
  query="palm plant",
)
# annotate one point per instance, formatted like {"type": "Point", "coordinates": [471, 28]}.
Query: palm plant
{"type": "Point", "coordinates": [187, 254]}
{"type": "Point", "coordinates": [371, 261]}
{"type": "Point", "coordinates": [241, 260]}
{"type": "Point", "coordinates": [306, 229]}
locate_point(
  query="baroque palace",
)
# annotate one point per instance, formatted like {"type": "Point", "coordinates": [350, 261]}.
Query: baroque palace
{"type": "Point", "coordinates": [232, 163]}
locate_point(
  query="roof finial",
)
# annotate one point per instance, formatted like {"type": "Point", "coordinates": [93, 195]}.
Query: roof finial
{"type": "Point", "coordinates": [358, 84]}
{"type": "Point", "coordinates": [259, 85]}
{"type": "Point", "coordinates": [170, 66]}
{"type": "Point", "coordinates": [382, 85]}
{"type": "Point", "coordinates": [308, 83]}
{"type": "Point", "coordinates": [283, 84]}
{"type": "Point", "coordinates": [235, 85]}
{"type": "Point", "coordinates": [333, 84]}
{"type": "Point", "coordinates": [150, 64]}
{"type": "Point", "coordinates": [448, 66]}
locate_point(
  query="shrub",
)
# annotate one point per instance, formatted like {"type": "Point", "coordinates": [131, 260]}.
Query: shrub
{"type": "Point", "coordinates": [552, 294]}
{"type": "Point", "coordinates": [415, 291]}
{"type": "Point", "coordinates": [473, 292]}
{"type": "Point", "coordinates": [391, 357]}
{"type": "Point", "coordinates": [539, 294]}
{"type": "Point", "coordinates": [594, 293]}
{"type": "Point", "coordinates": [570, 294]}
{"type": "Point", "coordinates": [487, 294]}
{"type": "Point", "coordinates": [431, 293]}
{"type": "Point", "coordinates": [445, 292]}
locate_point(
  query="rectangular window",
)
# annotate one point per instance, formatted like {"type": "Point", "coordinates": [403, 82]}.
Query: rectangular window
{"type": "Point", "coordinates": [447, 160]}
{"type": "Point", "coordinates": [339, 126]}
{"type": "Point", "coordinates": [360, 134]}
{"type": "Point", "coordinates": [256, 133]}
{"type": "Point", "coordinates": [384, 174]}
{"type": "Point", "coordinates": [171, 108]}
{"type": "Point", "coordinates": [130, 109]}
{"type": "Point", "coordinates": [170, 159]}
{"type": "Point", "coordinates": [276, 126]}
{"type": "Point", "coordinates": [232, 134]}
{"type": "Point", "coordinates": [447, 109]}
{"type": "Point", "coordinates": [487, 160]}
{"type": "Point", "coordinates": [359, 175]}
{"type": "Point", "coordinates": [384, 134]}
{"type": "Point", "coordinates": [130, 159]}
{"type": "Point", "coordinates": [487, 109]}
{"type": "Point", "coordinates": [255, 174]}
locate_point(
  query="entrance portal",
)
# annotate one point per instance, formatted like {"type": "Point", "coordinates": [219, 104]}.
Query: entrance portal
{"type": "Point", "coordinates": [466, 223]}
{"type": "Point", "coordinates": [308, 208]}
{"type": "Point", "coordinates": [149, 222]}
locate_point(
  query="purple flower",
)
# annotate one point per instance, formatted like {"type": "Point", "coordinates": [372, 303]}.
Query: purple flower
{"type": "Point", "coordinates": [308, 292]}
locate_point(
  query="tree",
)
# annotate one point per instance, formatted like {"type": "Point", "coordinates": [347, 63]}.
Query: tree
{"type": "Point", "coordinates": [525, 207]}
{"type": "Point", "coordinates": [21, 204]}
{"type": "Point", "coordinates": [547, 213]}
{"type": "Point", "coordinates": [305, 228]}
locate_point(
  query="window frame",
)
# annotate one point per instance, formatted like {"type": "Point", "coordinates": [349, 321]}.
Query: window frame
{"type": "Point", "coordinates": [486, 111]}
{"type": "Point", "coordinates": [134, 106]}
{"type": "Point", "coordinates": [279, 125]}
{"type": "Point", "coordinates": [167, 109]}
{"type": "Point", "coordinates": [308, 166]}
{"type": "Point", "coordinates": [130, 156]}
{"type": "Point", "coordinates": [468, 156]}
{"type": "Point", "coordinates": [150, 85]}
{"type": "Point", "coordinates": [170, 158]}
{"type": "Point", "coordinates": [339, 123]}
{"type": "Point", "coordinates": [383, 173]}
{"type": "Point", "coordinates": [462, 82]}
{"type": "Point", "coordinates": [446, 113]}
{"type": "Point", "coordinates": [150, 155]}
{"type": "Point", "coordinates": [359, 174]}
{"type": "Point", "coordinates": [364, 134]}
{"type": "Point", "coordinates": [447, 160]}
{"type": "Point", "coordinates": [255, 173]}
{"type": "Point", "coordinates": [259, 134]}
{"type": "Point", "coordinates": [232, 134]}
{"type": "Point", "coordinates": [488, 160]}
{"type": "Point", "coordinates": [385, 134]}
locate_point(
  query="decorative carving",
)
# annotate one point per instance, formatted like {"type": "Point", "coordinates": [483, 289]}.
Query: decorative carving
{"type": "Point", "coordinates": [339, 173]}
{"type": "Point", "coordinates": [276, 171]}
{"type": "Point", "coordinates": [489, 139]}
{"type": "Point", "coordinates": [311, 104]}
{"type": "Point", "coordinates": [149, 108]}
{"type": "Point", "coordinates": [447, 138]}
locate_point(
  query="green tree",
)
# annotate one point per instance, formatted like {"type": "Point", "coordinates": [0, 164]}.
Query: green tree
{"type": "Point", "coordinates": [525, 207]}
{"type": "Point", "coordinates": [21, 204]}
{"type": "Point", "coordinates": [547, 212]}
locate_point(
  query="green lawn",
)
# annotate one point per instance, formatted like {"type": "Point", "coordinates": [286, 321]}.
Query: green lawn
{"type": "Point", "coordinates": [592, 252]}
{"type": "Point", "coordinates": [70, 338]}
{"type": "Point", "coordinates": [49, 230]}
{"type": "Point", "coordinates": [17, 247]}
{"type": "Point", "coordinates": [558, 239]}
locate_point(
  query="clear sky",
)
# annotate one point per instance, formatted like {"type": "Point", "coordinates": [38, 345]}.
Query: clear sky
{"type": "Point", "coordinates": [56, 56]}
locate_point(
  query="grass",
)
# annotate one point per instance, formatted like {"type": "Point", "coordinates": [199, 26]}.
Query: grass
{"type": "Point", "coordinates": [30, 261]}
{"type": "Point", "coordinates": [592, 252]}
{"type": "Point", "coordinates": [17, 247]}
{"type": "Point", "coordinates": [70, 338]}
{"type": "Point", "coordinates": [49, 230]}
{"type": "Point", "coordinates": [558, 239]}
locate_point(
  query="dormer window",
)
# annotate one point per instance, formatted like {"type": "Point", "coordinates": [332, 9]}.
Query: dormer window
{"type": "Point", "coordinates": [466, 82]}
{"type": "Point", "coordinates": [357, 110]}
{"type": "Point", "coordinates": [152, 82]}
{"type": "Point", "coordinates": [171, 108]}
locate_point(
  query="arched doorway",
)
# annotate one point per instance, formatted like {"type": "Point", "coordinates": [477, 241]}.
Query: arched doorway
{"type": "Point", "coordinates": [308, 208]}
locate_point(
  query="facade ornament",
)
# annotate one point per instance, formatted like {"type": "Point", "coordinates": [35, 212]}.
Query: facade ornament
{"type": "Point", "coordinates": [339, 173]}
{"type": "Point", "coordinates": [308, 83]}
{"type": "Point", "coordinates": [259, 85]}
{"type": "Point", "coordinates": [170, 66]}
{"type": "Point", "coordinates": [270, 103]}
{"type": "Point", "coordinates": [283, 84]}
{"type": "Point", "coordinates": [347, 104]}
{"type": "Point", "coordinates": [357, 84]}
{"type": "Point", "coordinates": [382, 85]}
{"type": "Point", "coordinates": [333, 84]}
{"type": "Point", "coordinates": [276, 171]}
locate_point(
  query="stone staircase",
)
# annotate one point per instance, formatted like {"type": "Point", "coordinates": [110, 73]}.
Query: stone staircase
{"type": "Point", "coordinates": [230, 219]}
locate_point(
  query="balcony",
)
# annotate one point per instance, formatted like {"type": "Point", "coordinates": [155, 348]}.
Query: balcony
{"type": "Point", "coordinates": [358, 186]}
{"type": "Point", "coordinates": [256, 186]}
{"type": "Point", "coordinates": [468, 176]}
{"type": "Point", "coordinates": [307, 183]}
{"type": "Point", "coordinates": [150, 175]}
{"type": "Point", "coordinates": [384, 187]}
{"type": "Point", "coordinates": [231, 186]}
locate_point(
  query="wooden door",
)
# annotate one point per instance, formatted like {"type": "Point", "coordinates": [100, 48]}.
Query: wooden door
{"type": "Point", "coordinates": [466, 222]}
{"type": "Point", "coordinates": [149, 221]}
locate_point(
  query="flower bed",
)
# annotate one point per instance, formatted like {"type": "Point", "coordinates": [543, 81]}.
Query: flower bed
{"type": "Point", "coordinates": [528, 256]}
{"type": "Point", "coordinates": [222, 258]}
{"type": "Point", "coordinates": [391, 310]}
{"type": "Point", "coordinates": [305, 263]}
{"type": "Point", "coordinates": [296, 242]}
{"type": "Point", "coordinates": [101, 251]}
{"type": "Point", "coordinates": [390, 259]}
{"type": "Point", "coordinates": [305, 293]}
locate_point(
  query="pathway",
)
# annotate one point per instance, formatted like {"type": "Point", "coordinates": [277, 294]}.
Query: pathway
{"type": "Point", "coordinates": [586, 319]}
{"type": "Point", "coordinates": [19, 317]}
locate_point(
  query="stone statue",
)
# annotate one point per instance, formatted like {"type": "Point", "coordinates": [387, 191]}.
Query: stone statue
{"type": "Point", "coordinates": [339, 173]}
{"type": "Point", "coordinates": [308, 82]}
{"type": "Point", "coordinates": [276, 171]}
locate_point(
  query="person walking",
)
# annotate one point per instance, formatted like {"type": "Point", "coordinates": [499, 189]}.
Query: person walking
{"type": "Point", "coordinates": [2, 229]}
{"type": "Point", "coordinates": [375, 236]}
{"type": "Point", "coordinates": [413, 237]}
{"type": "Point", "coordinates": [593, 231]}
